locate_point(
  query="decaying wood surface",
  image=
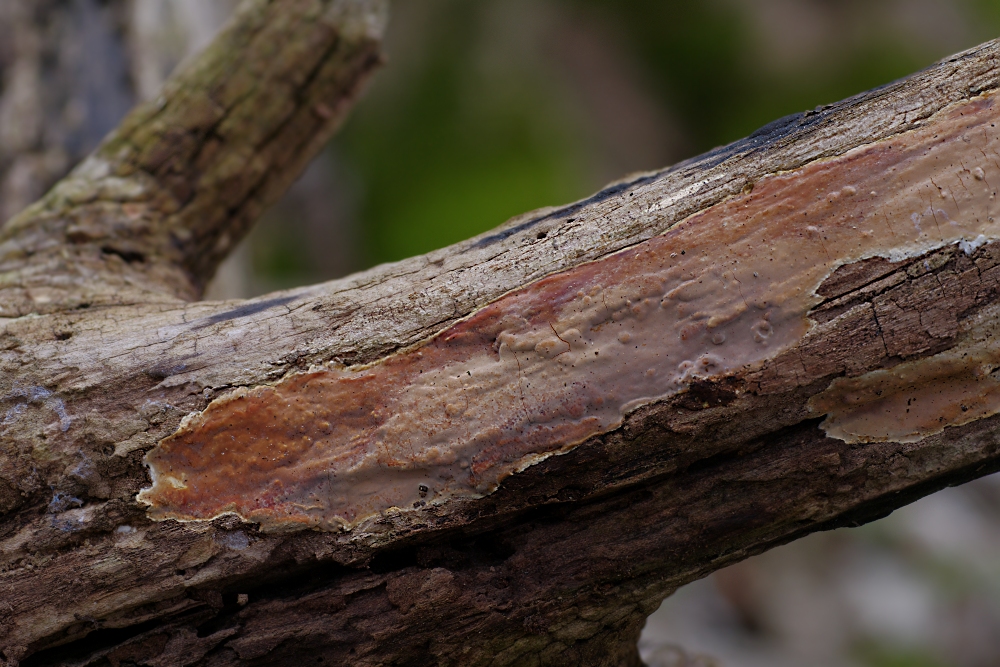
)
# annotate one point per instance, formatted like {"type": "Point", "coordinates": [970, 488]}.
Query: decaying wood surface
{"type": "Point", "coordinates": [428, 466]}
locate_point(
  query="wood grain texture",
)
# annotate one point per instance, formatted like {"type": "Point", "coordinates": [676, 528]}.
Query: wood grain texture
{"type": "Point", "coordinates": [561, 563]}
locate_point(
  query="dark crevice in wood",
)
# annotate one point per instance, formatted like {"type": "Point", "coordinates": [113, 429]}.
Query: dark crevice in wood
{"type": "Point", "coordinates": [90, 649]}
{"type": "Point", "coordinates": [853, 277]}
{"type": "Point", "coordinates": [130, 256]}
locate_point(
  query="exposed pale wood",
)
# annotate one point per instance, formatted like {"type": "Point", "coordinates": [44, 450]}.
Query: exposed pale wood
{"type": "Point", "coordinates": [102, 355]}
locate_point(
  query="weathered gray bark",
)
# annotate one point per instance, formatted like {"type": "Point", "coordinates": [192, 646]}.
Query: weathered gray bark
{"type": "Point", "coordinates": [104, 350]}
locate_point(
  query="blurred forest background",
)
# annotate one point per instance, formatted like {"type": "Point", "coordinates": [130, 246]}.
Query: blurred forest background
{"type": "Point", "coordinates": [489, 108]}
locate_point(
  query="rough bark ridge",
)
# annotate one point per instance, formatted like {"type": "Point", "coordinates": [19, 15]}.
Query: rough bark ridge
{"type": "Point", "coordinates": [556, 559]}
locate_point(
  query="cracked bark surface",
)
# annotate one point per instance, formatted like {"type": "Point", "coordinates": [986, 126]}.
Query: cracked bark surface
{"type": "Point", "coordinates": [104, 350]}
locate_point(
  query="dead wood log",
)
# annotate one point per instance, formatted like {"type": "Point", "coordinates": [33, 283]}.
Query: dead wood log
{"type": "Point", "coordinates": [503, 452]}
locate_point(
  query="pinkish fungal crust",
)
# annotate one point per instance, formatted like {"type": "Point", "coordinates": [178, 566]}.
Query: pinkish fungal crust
{"type": "Point", "coordinates": [548, 366]}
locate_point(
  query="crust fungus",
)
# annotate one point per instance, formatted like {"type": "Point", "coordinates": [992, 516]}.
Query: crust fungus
{"type": "Point", "coordinates": [548, 366]}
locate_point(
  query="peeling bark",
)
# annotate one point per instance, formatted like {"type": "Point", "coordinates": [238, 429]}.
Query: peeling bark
{"type": "Point", "coordinates": [576, 527]}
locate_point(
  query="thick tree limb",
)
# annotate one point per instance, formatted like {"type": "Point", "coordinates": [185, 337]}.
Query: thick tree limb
{"type": "Point", "coordinates": [877, 213]}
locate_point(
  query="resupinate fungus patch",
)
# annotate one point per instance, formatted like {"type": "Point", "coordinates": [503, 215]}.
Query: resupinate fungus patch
{"type": "Point", "coordinates": [545, 367]}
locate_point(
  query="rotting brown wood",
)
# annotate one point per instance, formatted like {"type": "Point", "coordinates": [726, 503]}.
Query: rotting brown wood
{"type": "Point", "coordinates": [102, 357]}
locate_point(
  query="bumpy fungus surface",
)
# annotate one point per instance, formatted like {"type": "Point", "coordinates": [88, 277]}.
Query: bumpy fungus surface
{"type": "Point", "coordinates": [565, 358]}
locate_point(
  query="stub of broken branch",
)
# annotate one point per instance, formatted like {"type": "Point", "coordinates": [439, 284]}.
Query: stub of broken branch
{"type": "Point", "coordinates": [566, 358]}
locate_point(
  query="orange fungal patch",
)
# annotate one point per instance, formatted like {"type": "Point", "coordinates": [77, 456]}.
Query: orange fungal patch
{"type": "Point", "coordinates": [548, 366]}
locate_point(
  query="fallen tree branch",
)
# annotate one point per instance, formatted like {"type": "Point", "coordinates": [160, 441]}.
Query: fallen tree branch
{"type": "Point", "coordinates": [507, 451]}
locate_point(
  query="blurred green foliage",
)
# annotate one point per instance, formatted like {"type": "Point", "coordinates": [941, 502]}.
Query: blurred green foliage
{"type": "Point", "coordinates": [453, 154]}
{"type": "Point", "coordinates": [874, 654]}
{"type": "Point", "coordinates": [277, 254]}
{"type": "Point", "coordinates": [454, 148]}
{"type": "Point", "coordinates": [700, 54]}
